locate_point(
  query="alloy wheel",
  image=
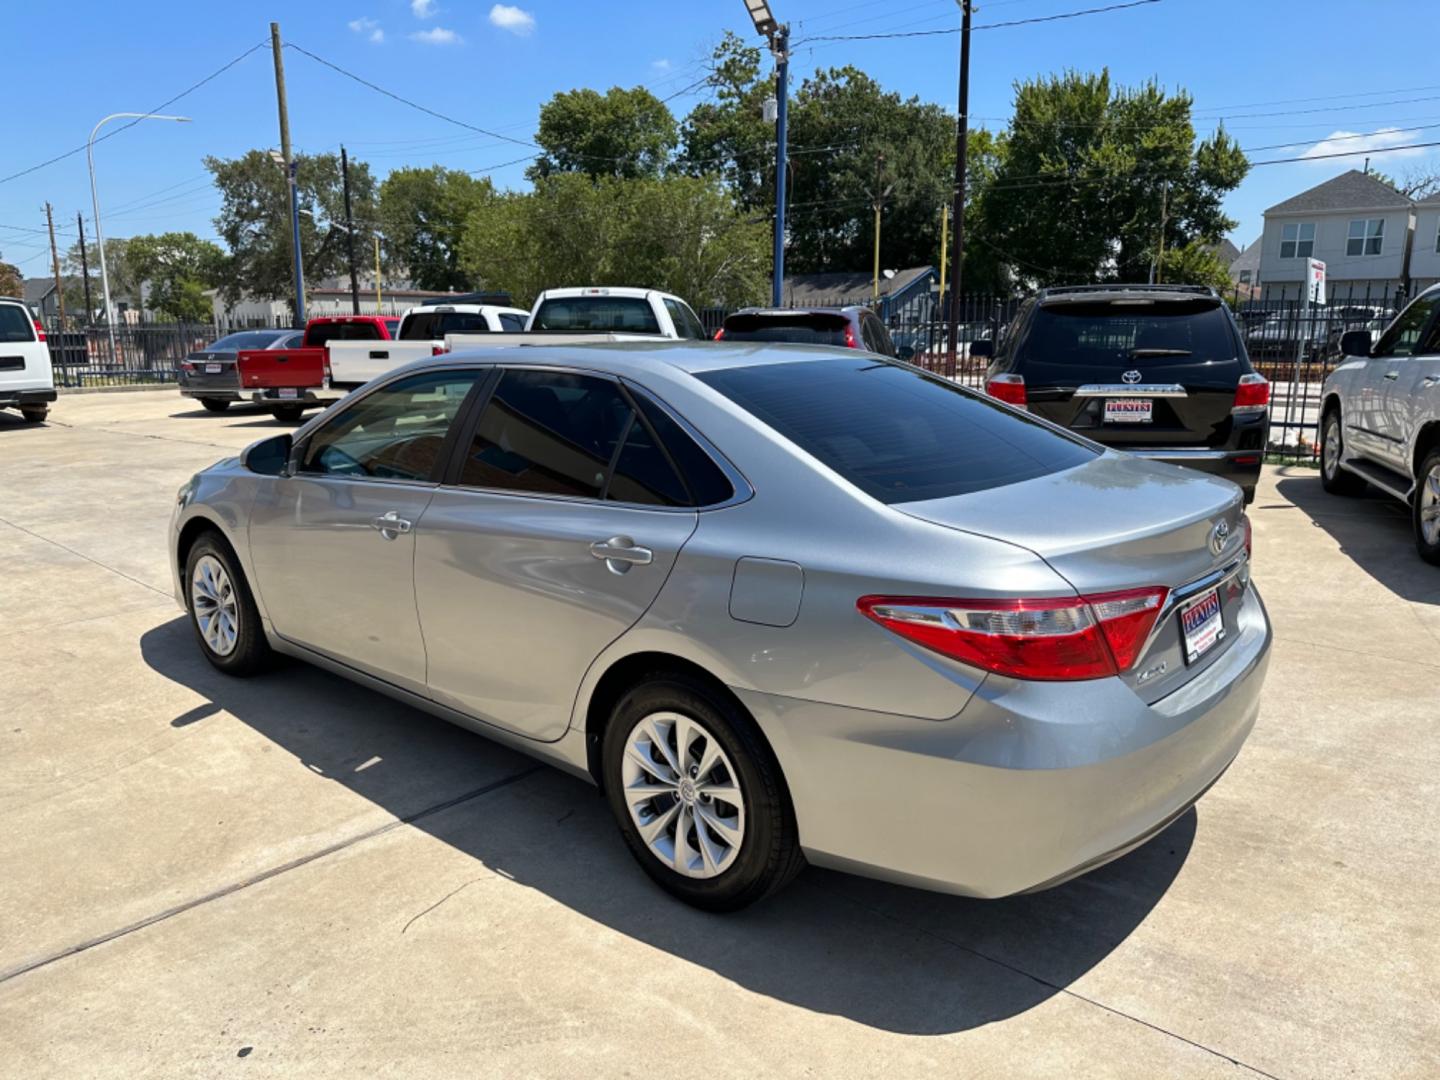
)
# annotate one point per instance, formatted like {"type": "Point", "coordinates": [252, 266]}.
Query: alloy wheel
{"type": "Point", "coordinates": [1430, 506]}
{"type": "Point", "coordinates": [683, 794]}
{"type": "Point", "coordinates": [1330, 452]}
{"type": "Point", "coordinates": [212, 597]}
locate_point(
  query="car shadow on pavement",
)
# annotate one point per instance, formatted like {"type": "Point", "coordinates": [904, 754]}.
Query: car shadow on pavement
{"type": "Point", "coordinates": [893, 958]}
{"type": "Point", "coordinates": [1373, 530]}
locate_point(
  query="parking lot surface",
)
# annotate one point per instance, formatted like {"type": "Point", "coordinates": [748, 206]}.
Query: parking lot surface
{"type": "Point", "coordinates": [294, 876]}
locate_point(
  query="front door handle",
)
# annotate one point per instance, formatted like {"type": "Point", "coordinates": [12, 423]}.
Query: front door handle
{"type": "Point", "coordinates": [619, 553]}
{"type": "Point", "coordinates": [390, 524]}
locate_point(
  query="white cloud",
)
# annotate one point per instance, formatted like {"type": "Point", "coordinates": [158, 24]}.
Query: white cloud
{"type": "Point", "coordinates": [1374, 142]}
{"type": "Point", "coordinates": [660, 65]}
{"type": "Point", "coordinates": [436, 36]}
{"type": "Point", "coordinates": [422, 9]}
{"type": "Point", "coordinates": [369, 27]}
{"type": "Point", "coordinates": [508, 17]}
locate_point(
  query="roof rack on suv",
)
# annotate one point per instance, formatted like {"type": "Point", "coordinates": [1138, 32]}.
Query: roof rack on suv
{"type": "Point", "coordinates": [1190, 290]}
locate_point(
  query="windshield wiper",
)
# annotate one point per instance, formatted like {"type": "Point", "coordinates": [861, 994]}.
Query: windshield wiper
{"type": "Point", "coordinates": [1159, 352]}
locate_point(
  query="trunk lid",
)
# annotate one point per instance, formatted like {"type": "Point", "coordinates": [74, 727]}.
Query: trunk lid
{"type": "Point", "coordinates": [1117, 523]}
{"type": "Point", "coordinates": [263, 369]}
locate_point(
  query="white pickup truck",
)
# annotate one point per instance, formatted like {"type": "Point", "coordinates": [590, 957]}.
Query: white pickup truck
{"type": "Point", "coordinates": [599, 313]}
{"type": "Point", "coordinates": [422, 333]}
{"type": "Point", "coordinates": [27, 382]}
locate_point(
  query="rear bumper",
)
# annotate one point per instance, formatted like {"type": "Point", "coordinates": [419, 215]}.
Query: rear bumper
{"type": "Point", "coordinates": [224, 387]}
{"type": "Point", "coordinates": [1239, 466]}
{"type": "Point", "coordinates": [14, 398]}
{"type": "Point", "coordinates": [1030, 785]}
{"type": "Point", "coordinates": [315, 395]}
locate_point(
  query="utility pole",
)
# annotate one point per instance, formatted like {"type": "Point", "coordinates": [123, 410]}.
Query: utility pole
{"type": "Point", "coordinates": [85, 269]}
{"type": "Point", "coordinates": [350, 234]}
{"type": "Point", "coordinates": [289, 164]}
{"type": "Point", "coordinates": [957, 212]}
{"type": "Point", "coordinates": [1157, 271]}
{"type": "Point", "coordinates": [55, 263]}
{"type": "Point", "coordinates": [877, 202]}
{"type": "Point", "coordinates": [377, 274]}
{"type": "Point", "coordinates": [944, 236]}
{"type": "Point", "coordinates": [780, 45]}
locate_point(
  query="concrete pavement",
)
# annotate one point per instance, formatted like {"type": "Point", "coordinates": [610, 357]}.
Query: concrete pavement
{"type": "Point", "coordinates": [292, 876]}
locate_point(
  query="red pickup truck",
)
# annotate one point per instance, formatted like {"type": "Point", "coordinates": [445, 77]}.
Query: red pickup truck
{"type": "Point", "coordinates": [290, 381]}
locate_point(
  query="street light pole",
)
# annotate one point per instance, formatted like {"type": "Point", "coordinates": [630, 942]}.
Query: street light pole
{"type": "Point", "coordinates": [95, 203]}
{"type": "Point", "coordinates": [779, 38]}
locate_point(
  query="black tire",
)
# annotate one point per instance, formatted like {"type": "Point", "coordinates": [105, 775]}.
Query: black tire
{"type": "Point", "coordinates": [1426, 501]}
{"type": "Point", "coordinates": [769, 854]}
{"type": "Point", "coordinates": [1336, 480]}
{"type": "Point", "coordinates": [35, 414]}
{"type": "Point", "coordinates": [1249, 493]}
{"type": "Point", "coordinates": [251, 651]}
{"type": "Point", "coordinates": [214, 404]}
{"type": "Point", "coordinates": [287, 413]}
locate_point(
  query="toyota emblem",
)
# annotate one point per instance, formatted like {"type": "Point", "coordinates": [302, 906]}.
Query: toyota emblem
{"type": "Point", "coordinates": [1219, 537]}
{"type": "Point", "coordinates": [1131, 376]}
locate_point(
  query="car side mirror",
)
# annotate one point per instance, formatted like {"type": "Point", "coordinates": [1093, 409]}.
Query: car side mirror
{"type": "Point", "coordinates": [905, 352]}
{"type": "Point", "coordinates": [982, 348]}
{"type": "Point", "coordinates": [268, 457]}
{"type": "Point", "coordinates": [1355, 343]}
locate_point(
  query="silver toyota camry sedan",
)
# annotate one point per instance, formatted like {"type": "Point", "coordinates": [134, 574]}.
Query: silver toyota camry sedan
{"type": "Point", "coordinates": [781, 603]}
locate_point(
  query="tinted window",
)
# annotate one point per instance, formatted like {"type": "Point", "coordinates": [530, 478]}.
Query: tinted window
{"type": "Point", "coordinates": [883, 343]}
{"type": "Point", "coordinates": [246, 339]}
{"type": "Point", "coordinates": [686, 324]}
{"type": "Point", "coordinates": [395, 433]}
{"type": "Point", "coordinates": [705, 480]}
{"type": "Point", "coordinates": [598, 313]}
{"type": "Point", "coordinates": [391, 325]}
{"type": "Point", "coordinates": [1404, 333]}
{"type": "Point", "coordinates": [898, 435]}
{"type": "Point", "coordinates": [643, 473]}
{"type": "Point", "coordinates": [512, 324]}
{"type": "Point", "coordinates": [290, 341]}
{"type": "Point", "coordinates": [15, 324]}
{"type": "Point", "coordinates": [323, 333]}
{"type": "Point", "coordinates": [433, 325]}
{"type": "Point", "coordinates": [803, 328]}
{"type": "Point", "coordinates": [547, 432]}
{"type": "Point", "coordinates": [1096, 342]}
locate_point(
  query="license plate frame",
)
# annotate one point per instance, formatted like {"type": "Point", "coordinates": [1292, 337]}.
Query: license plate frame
{"type": "Point", "coordinates": [212, 369]}
{"type": "Point", "coordinates": [287, 392]}
{"type": "Point", "coordinates": [1202, 624]}
{"type": "Point", "coordinates": [1129, 411]}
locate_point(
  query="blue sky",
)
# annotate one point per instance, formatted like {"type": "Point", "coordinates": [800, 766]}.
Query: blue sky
{"type": "Point", "coordinates": [1278, 72]}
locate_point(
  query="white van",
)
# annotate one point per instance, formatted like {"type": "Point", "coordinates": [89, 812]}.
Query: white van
{"type": "Point", "coordinates": [26, 380]}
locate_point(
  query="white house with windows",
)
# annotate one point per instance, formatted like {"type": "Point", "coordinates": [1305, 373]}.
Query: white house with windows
{"type": "Point", "coordinates": [1357, 225]}
{"type": "Point", "coordinates": [1425, 247]}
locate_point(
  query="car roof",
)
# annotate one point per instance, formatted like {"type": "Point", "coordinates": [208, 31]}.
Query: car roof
{"type": "Point", "coordinates": [629, 292]}
{"type": "Point", "coordinates": [636, 358]}
{"type": "Point", "coordinates": [1072, 294]}
{"type": "Point", "coordinates": [846, 309]}
{"type": "Point", "coordinates": [466, 309]}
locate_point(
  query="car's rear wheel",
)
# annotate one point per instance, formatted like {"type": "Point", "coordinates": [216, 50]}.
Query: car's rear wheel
{"type": "Point", "coordinates": [214, 404]}
{"type": "Point", "coordinates": [697, 794]}
{"type": "Point", "coordinates": [1335, 479]}
{"type": "Point", "coordinates": [35, 414]}
{"type": "Point", "coordinates": [288, 413]}
{"type": "Point", "coordinates": [222, 609]}
{"type": "Point", "coordinates": [1427, 508]}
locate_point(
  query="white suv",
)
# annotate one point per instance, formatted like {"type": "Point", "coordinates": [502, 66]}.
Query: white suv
{"type": "Point", "coordinates": [26, 381]}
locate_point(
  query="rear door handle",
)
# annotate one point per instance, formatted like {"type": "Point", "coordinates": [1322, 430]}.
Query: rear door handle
{"type": "Point", "coordinates": [619, 553]}
{"type": "Point", "coordinates": [390, 524]}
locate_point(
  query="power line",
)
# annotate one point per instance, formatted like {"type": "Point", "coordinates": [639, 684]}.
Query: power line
{"type": "Point", "coordinates": [125, 127]}
{"type": "Point", "coordinates": [1341, 138]}
{"type": "Point", "coordinates": [1346, 153]}
{"type": "Point", "coordinates": [986, 26]}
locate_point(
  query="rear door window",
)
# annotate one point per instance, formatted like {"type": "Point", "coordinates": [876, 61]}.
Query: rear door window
{"type": "Point", "coordinates": [801, 328]}
{"type": "Point", "coordinates": [1097, 342]}
{"type": "Point", "coordinates": [15, 324]}
{"type": "Point", "coordinates": [897, 434]}
{"type": "Point", "coordinates": [325, 333]}
{"type": "Point", "coordinates": [622, 314]}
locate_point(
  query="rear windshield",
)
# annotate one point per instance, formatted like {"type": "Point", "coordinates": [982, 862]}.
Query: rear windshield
{"type": "Point", "coordinates": [803, 329]}
{"type": "Point", "coordinates": [433, 325]}
{"type": "Point", "coordinates": [324, 333]}
{"type": "Point", "coordinates": [1098, 342]}
{"type": "Point", "coordinates": [895, 433]}
{"type": "Point", "coordinates": [246, 339]}
{"type": "Point", "coordinates": [603, 313]}
{"type": "Point", "coordinates": [15, 324]}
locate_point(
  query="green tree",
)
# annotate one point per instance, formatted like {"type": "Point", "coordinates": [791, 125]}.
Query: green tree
{"type": "Point", "coordinates": [680, 234]}
{"type": "Point", "coordinates": [728, 137]}
{"type": "Point", "coordinates": [620, 133]}
{"type": "Point", "coordinates": [124, 285]}
{"type": "Point", "coordinates": [11, 282]}
{"type": "Point", "coordinates": [177, 267]}
{"type": "Point", "coordinates": [254, 220]}
{"type": "Point", "coordinates": [1195, 264]}
{"type": "Point", "coordinates": [1086, 174]}
{"type": "Point", "coordinates": [422, 214]}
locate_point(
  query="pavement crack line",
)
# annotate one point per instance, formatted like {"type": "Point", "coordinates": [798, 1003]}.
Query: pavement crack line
{"type": "Point", "coordinates": [87, 558]}
{"type": "Point", "coordinates": [265, 875]}
{"type": "Point", "coordinates": [139, 435]}
{"type": "Point", "coordinates": [437, 903]}
{"type": "Point", "coordinates": [1006, 965]}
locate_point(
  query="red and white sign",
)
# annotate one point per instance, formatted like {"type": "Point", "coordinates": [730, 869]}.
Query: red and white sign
{"type": "Point", "coordinates": [1315, 282]}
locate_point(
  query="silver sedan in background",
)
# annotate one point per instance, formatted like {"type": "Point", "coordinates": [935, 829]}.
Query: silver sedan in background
{"type": "Point", "coordinates": [781, 603]}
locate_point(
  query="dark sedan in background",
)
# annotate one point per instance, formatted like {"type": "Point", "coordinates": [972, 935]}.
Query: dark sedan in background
{"type": "Point", "coordinates": [209, 375]}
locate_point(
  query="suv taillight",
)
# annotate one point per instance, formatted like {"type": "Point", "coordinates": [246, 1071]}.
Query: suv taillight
{"type": "Point", "coordinates": [438, 350]}
{"type": "Point", "coordinates": [1064, 638]}
{"type": "Point", "coordinates": [1252, 394]}
{"type": "Point", "coordinates": [850, 342]}
{"type": "Point", "coordinates": [720, 334]}
{"type": "Point", "coordinates": [1007, 388]}
{"type": "Point", "coordinates": [39, 331]}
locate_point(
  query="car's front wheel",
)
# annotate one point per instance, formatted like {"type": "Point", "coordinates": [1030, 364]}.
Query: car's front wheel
{"type": "Point", "coordinates": [1335, 480]}
{"type": "Point", "coordinates": [213, 404]}
{"type": "Point", "coordinates": [35, 414]}
{"type": "Point", "coordinates": [1427, 508]}
{"type": "Point", "coordinates": [222, 609]}
{"type": "Point", "coordinates": [697, 794]}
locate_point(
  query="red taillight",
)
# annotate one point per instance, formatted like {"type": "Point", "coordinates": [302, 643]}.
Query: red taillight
{"type": "Point", "coordinates": [1252, 394]}
{"type": "Point", "coordinates": [850, 342]}
{"type": "Point", "coordinates": [720, 334]}
{"type": "Point", "coordinates": [39, 331]}
{"type": "Point", "coordinates": [1007, 388]}
{"type": "Point", "coordinates": [1049, 639]}
{"type": "Point", "coordinates": [437, 350]}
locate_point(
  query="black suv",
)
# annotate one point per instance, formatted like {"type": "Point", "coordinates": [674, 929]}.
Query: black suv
{"type": "Point", "coordinates": [852, 326]}
{"type": "Point", "coordinates": [1157, 370]}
